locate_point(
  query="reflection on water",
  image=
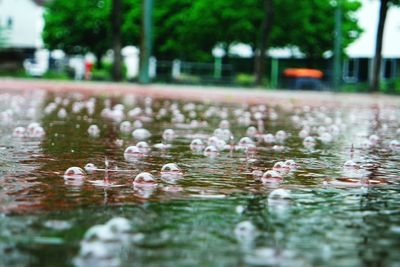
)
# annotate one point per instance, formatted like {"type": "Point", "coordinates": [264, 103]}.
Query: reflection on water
{"type": "Point", "coordinates": [336, 202]}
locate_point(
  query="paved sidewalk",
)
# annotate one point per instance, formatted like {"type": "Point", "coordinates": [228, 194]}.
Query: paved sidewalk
{"type": "Point", "coordinates": [201, 93]}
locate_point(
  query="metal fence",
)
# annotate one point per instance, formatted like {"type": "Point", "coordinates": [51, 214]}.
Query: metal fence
{"type": "Point", "coordinates": [194, 72]}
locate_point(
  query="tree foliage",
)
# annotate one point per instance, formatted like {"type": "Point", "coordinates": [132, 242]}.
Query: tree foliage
{"type": "Point", "coordinates": [78, 26]}
{"type": "Point", "coordinates": [315, 21]}
{"type": "Point", "coordinates": [189, 29]}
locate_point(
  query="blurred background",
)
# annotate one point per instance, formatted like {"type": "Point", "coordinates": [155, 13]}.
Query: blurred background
{"type": "Point", "coordinates": [343, 45]}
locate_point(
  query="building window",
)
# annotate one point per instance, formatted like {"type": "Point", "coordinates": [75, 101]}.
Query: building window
{"type": "Point", "coordinates": [389, 68]}
{"type": "Point", "coordinates": [10, 22]}
{"type": "Point", "coordinates": [350, 70]}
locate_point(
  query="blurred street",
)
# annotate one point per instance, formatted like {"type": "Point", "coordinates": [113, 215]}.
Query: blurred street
{"type": "Point", "coordinates": [201, 93]}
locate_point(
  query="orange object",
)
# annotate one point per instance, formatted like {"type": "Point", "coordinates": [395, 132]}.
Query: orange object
{"type": "Point", "coordinates": [303, 72]}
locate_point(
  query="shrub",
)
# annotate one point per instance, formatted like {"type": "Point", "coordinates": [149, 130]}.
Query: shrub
{"type": "Point", "coordinates": [244, 79]}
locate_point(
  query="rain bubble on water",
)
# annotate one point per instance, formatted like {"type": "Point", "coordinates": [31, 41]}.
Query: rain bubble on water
{"type": "Point", "coordinates": [170, 172]}
{"type": "Point", "coordinates": [309, 142]}
{"type": "Point", "coordinates": [162, 146]}
{"type": "Point", "coordinates": [304, 133]}
{"type": "Point", "coordinates": [281, 136]}
{"type": "Point", "coordinates": [366, 144]}
{"type": "Point", "coordinates": [119, 225]}
{"type": "Point", "coordinates": [223, 134]}
{"type": "Point", "coordinates": [132, 153]}
{"type": "Point", "coordinates": [37, 132]}
{"type": "Point", "coordinates": [119, 142]}
{"type": "Point", "coordinates": [143, 147]}
{"type": "Point", "coordinates": [374, 139]}
{"type": "Point", "coordinates": [269, 138]}
{"type": "Point", "coordinates": [281, 167]}
{"type": "Point", "coordinates": [271, 177]}
{"type": "Point", "coordinates": [244, 143]}
{"type": "Point", "coordinates": [135, 112]}
{"type": "Point", "coordinates": [216, 142]}
{"type": "Point", "coordinates": [168, 135]}
{"type": "Point", "coordinates": [144, 184]}
{"type": "Point", "coordinates": [279, 194]}
{"type": "Point", "coordinates": [278, 148]}
{"type": "Point", "coordinates": [31, 127]}
{"type": "Point", "coordinates": [19, 132]}
{"type": "Point", "coordinates": [395, 145]}
{"type": "Point", "coordinates": [144, 179]}
{"type": "Point", "coordinates": [171, 168]}
{"type": "Point", "coordinates": [292, 164]}
{"type": "Point", "coordinates": [246, 232]}
{"type": "Point", "coordinates": [137, 124]}
{"type": "Point", "coordinates": [350, 165]}
{"type": "Point", "coordinates": [279, 201]}
{"type": "Point", "coordinates": [251, 131]}
{"type": "Point", "coordinates": [125, 127]}
{"type": "Point", "coordinates": [325, 138]}
{"type": "Point", "coordinates": [62, 113]}
{"type": "Point", "coordinates": [102, 243]}
{"type": "Point", "coordinates": [93, 130]}
{"type": "Point", "coordinates": [211, 152]}
{"type": "Point", "coordinates": [224, 124]}
{"type": "Point", "coordinates": [90, 168]}
{"type": "Point", "coordinates": [257, 174]}
{"type": "Point", "coordinates": [74, 173]}
{"type": "Point", "coordinates": [141, 134]}
{"type": "Point", "coordinates": [197, 145]}
{"type": "Point", "coordinates": [100, 232]}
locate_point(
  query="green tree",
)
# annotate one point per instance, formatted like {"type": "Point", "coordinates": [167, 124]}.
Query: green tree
{"type": "Point", "coordinates": [116, 23]}
{"type": "Point", "coordinates": [384, 6]}
{"type": "Point", "coordinates": [308, 25]}
{"type": "Point", "coordinates": [131, 22]}
{"type": "Point", "coordinates": [78, 26]}
{"type": "Point", "coordinates": [317, 20]}
{"type": "Point", "coordinates": [170, 37]}
{"type": "Point", "coordinates": [189, 29]}
{"type": "Point", "coordinates": [265, 33]}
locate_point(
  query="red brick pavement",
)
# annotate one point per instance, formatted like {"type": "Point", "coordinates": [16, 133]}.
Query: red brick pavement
{"type": "Point", "coordinates": [199, 93]}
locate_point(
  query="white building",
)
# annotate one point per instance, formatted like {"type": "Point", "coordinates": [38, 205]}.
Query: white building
{"type": "Point", "coordinates": [22, 22]}
{"type": "Point", "coordinates": [361, 52]}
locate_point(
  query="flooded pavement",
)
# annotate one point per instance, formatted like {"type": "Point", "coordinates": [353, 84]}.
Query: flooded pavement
{"type": "Point", "coordinates": [133, 180]}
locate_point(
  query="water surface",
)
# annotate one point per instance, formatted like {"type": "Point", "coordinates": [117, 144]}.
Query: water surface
{"type": "Point", "coordinates": [44, 217]}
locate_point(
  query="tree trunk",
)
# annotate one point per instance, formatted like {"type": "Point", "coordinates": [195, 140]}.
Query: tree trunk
{"type": "Point", "coordinates": [99, 64]}
{"type": "Point", "coordinates": [116, 22]}
{"type": "Point", "coordinates": [378, 47]}
{"type": "Point", "coordinates": [266, 26]}
{"type": "Point", "coordinates": [146, 41]}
